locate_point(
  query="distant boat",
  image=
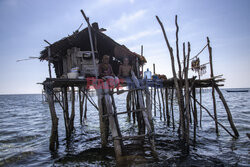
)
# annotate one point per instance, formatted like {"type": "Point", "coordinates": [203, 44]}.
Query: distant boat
{"type": "Point", "coordinates": [237, 90]}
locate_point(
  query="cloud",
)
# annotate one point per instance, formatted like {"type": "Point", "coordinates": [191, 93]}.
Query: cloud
{"type": "Point", "coordinates": [138, 36]}
{"type": "Point", "coordinates": [126, 19]}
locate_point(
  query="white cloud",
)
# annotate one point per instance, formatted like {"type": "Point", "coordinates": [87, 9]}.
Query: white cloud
{"type": "Point", "coordinates": [138, 36]}
{"type": "Point", "coordinates": [126, 19]}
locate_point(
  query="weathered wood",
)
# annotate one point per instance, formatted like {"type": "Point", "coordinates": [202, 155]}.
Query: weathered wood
{"type": "Point", "coordinates": [159, 99]}
{"type": "Point", "coordinates": [128, 105]}
{"type": "Point", "coordinates": [154, 100]}
{"type": "Point", "coordinates": [167, 109]}
{"type": "Point", "coordinates": [81, 100]}
{"type": "Point", "coordinates": [144, 113]}
{"type": "Point", "coordinates": [104, 123]}
{"type": "Point", "coordinates": [234, 136]}
{"type": "Point", "coordinates": [201, 103]}
{"type": "Point", "coordinates": [72, 116]}
{"type": "Point", "coordinates": [112, 123]}
{"type": "Point", "coordinates": [54, 128]}
{"type": "Point", "coordinates": [86, 107]}
{"type": "Point", "coordinates": [195, 114]}
{"type": "Point", "coordinates": [49, 62]}
{"type": "Point", "coordinates": [187, 112]}
{"type": "Point", "coordinates": [178, 89]}
{"type": "Point", "coordinates": [229, 116]}
{"type": "Point", "coordinates": [212, 75]}
{"type": "Point", "coordinates": [66, 112]}
{"type": "Point", "coordinates": [163, 105]}
{"type": "Point", "coordinates": [172, 107]}
{"type": "Point", "coordinates": [177, 46]}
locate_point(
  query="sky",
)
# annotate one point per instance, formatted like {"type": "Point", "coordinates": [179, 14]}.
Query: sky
{"type": "Point", "coordinates": [26, 23]}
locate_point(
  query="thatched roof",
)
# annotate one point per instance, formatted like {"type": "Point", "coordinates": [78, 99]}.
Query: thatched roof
{"type": "Point", "coordinates": [105, 45]}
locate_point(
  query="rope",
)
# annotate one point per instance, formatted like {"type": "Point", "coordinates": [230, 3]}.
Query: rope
{"type": "Point", "coordinates": [199, 52]}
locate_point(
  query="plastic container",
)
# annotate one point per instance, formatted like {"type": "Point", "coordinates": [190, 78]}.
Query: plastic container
{"type": "Point", "coordinates": [72, 75]}
{"type": "Point", "coordinates": [147, 74]}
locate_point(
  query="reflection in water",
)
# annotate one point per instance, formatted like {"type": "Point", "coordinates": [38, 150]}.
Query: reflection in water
{"type": "Point", "coordinates": [25, 130]}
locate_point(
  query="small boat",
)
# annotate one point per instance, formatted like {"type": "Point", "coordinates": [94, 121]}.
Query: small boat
{"type": "Point", "coordinates": [237, 90]}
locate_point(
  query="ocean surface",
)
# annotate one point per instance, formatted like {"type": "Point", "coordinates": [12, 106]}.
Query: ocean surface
{"type": "Point", "coordinates": [25, 126]}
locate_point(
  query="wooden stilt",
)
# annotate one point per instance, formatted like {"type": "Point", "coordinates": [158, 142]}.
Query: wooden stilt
{"type": "Point", "coordinates": [234, 136]}
{"type": "Point", "coordinates": [195, 114]}
{"type": "Point", "coordinates": [72, 116]}
{"type": "Point", "coordinates": [54, 144]}
{"type": "Point", "coordinates": [229, 116]}
{"type": "Point", "coordinates": [172, 107]}
{"type": "Point", "coordinates": [201, 103]}
{"type": "Point", "coordinates": [212, 75]}
{"type": "Point", "coordinates": [167, 109]}
{"type": "Point", "coordinates": [163, 104]}
{"type": "Point", "coordinates": [66, 112]}
{"type": "Point", "coordinates": [177, 86]}
{"type": "Point", "coordinates": [86, 107]}
{"type": "Point", "coordinates": [81, 100]}
{"type": "Point", "coordinates": [154, 100]}
{"type": "Point", "coordinates": [159, 99]}
{"type": "Point", "coordinates": [128, 99]}
{"type": "Point", "coordinates": [187, 99]}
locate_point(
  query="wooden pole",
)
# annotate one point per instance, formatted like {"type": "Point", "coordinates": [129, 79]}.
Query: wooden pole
{"type": "Point", "coordinates": [154, 99]}
{"type": "Point", "coordinates": [86, 107]}
{"type": "Point", "coordinates": [212, 75]}
{"type": "Point", "coordinates": [54, 128]}
{"type": "Point", "coordinates": [66, 112]}
{"type": "Point", "coordinates": [217, 121]}
{"type": "Point", "coordinates": [49, 55]}
{"type": "Point", "coordinates": [201, 103]}
{"type": "Point", "coordinates": [91, 43]}
{"type": "Point", "coordinates": [229, 116]}
{"type": "Point", "coordinates": [178, 88]}
{"type": "Point", "coordinates": [159, 99]}
{"type": "Point", "coordinates": [187, 98]}
{"type": "Point", "coordinates": [195, 114]}
{"type": "Point", "coordinates": [167, 109]}
{"type": "Point", "coordinates": [163, 104]}
{"type": "Point", "coordinates": [128, 99]}
{"type": "Point", "coordinates": [172, 107]}
{"type": "Point", "coordinates": [72, 116]}
{"type": "Point", "coordinates": [81, 100]}
{"type": "Point", "coordinates": [142, 55]}
{"type": "Point", "coordinates": [177, 47]}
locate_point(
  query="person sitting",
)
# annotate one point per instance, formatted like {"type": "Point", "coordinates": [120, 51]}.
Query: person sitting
{"type": "Point", "coordinates": [106, 72]}
{"type": "Point", "coordinates": [125, 69]}
{"type": "Point", "coordinates": [105, 68]}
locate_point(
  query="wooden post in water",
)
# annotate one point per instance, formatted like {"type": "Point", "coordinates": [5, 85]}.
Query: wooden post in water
{"type": "Point", "coordinates": [81, 100]}
{"type": "Point", "coordinates": [195, 114]}
{"type": "Point", "coordinates": [159, 99]}
{"type": "Point", "coordinates": [200, 102]}
{"type": "Point", "coordinates": [187, 99]}
{"type": "Point", "coordinates": [72, 116]}
{"type": "Point", "coordinates": [128, 99]}
{"type": "Point", "coordinates": [86, 106]}
{"type": "Point", "coordinates": [177, 86]}
{"type": "Point", "coordinates": [172, 107]}
{"type": "Point", "coordinates": [163, 104]}
{"type": "Point", "coordinates": [167, 109]}
{"type": "Point", "coordinates": [212, 75]}
{"type": "Point", "coordinates": [154, 91]}
{"type": "Point", "coordinates": [229, 116]}
{"type": "Point", "coordinates": [54, 128]}
{"type": "Point", "coordinates": [66, 111]}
